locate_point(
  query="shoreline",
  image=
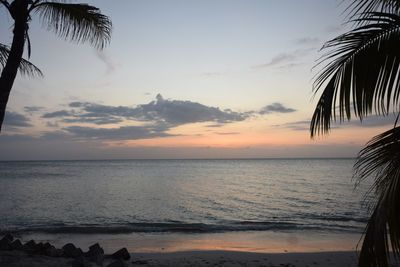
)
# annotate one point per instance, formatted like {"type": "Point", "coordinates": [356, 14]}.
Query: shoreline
{"type": "Point", "coordinates": [199, 258]}
{"type": "Point", "coordinates": [252, 241]}
{"type": "Point", "coordinates": [241, 258]}
{"type": "Point", "coordinates": [277, 249]}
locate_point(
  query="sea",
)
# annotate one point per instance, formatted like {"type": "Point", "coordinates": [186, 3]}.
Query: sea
{"type": "Point", "coordinates": [181, 196]}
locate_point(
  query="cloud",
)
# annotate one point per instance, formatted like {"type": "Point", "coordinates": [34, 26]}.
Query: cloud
{"type": "Point", "coordinates": [286, 59]}
{"type": "Point", "coordinates": [296, 125]}
{"type": "Point", "coordinates": [215, 125]}
{"type": "Point", "coordinates": [178, 112]}
{"type": "Point", "coordinates": [107, 60]}
{"type": "Point", "coordinates": [276, 108]}
{"type": "Point", "coordinates": [334, 28]}
{"type": "Point", "coordinates": [172, 112]}
{"type": "Point", "coordinates": [228, 133]}
{"type": "Point", "coordinates": [32, 109]}
{"type": "Point", "coordinates": [56, 114]}
{"type": "Point", "coordinates": [52, 124]}
{"type": "Point", "coordinates": [14, 119]}
{"type": "Point", "coordinates": [12, 138]}
{"type": "Point", "coordinates": [370, 121]}
{"type": "Point", "coordinates": [276, 60]}
{"type": "Point", "coordinates": [84, 120]}
{"type": "Point", "coordinates": [94, 120]}
{"type": "Point", "coordinates": [307, 41]}
{"type": "Point", "coordinates": [121, 133]}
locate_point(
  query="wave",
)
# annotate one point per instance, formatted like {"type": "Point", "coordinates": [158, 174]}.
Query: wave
{"type": "Point", "coordinates": [178, 227]}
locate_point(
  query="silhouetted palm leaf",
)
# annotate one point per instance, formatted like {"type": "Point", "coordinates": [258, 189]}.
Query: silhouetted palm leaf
{"type": "Point", "coordinates": [363, 73]}
{"type": "Point", "coordinates": [25, 68]}
{"type": "Point", "coordinates": [381, 158]}
{"type": "Point", "coordinates": [363, 76]}
{"type": "Point", "coordinates": [77, 22]}
{"type": "Point", "coordinates": [360, 8]}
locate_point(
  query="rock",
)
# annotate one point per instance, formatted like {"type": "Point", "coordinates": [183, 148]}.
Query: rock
{"type": "Point", "coordinates": [122, 254]}
{"type": "Point", "coordinates": [39, 248]}
{"type": "Point", "coordinates": [52, 252]}
{"type": "Point", "coordinates": [59, 252]}
{"type": "Point", "coordinates": [47, 245]}
{"type": "Point", "coordinates": [117, 263]}
{"type": "Point", "coordinates": [16, 245]}
{"type": "Point", "coordinates": [81, 262]}
{"type": "Point", "coordinates": [8, 237]}
{"type": "Point", "coordinates": [95, 254]}
{"type": "Point", "coordinates": [71, 251]}
{"type": "Point", "coordinates": [5, 244]}
{"type": "Point", "coordinates": [29, 246]}
{"type": "Point", "coordinates": [96, 249]}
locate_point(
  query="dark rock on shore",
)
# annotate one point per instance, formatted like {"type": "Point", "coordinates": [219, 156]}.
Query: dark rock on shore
{"type": "Point", "coordinates": [30, 246]}
{"type": "Point", "coordinates": [8, 237]}
{"type": "Point", "coordinates": [122, 254]}
{"type": "Point", "coordinates": [117, 263]}
{"type": "Point", "coordinates": [71, 251]}
{"type": "Point", "coordinates": [39, 249]}
{"type": "Point", "coordinates": [54, 252]}
{"type": "Point", "coordinates": [94, 257]}
{"type": "Point", "coordinates": [81, 262]}
{"type": "Point", "coordinates": [16, 245]}
{"type": "Point", "coordinates": [95, 254]}
{"type": "Point", "coordinates": [5, 242]}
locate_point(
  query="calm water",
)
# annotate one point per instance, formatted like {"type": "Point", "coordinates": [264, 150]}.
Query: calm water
{"type": "Point", "coordinates": [180, 196]}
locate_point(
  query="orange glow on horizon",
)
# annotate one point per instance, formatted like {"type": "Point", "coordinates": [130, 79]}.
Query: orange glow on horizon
{"type": "Point", "coordinates": [231, 138]}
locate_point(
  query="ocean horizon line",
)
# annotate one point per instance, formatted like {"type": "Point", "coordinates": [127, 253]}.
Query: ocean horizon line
{"type": "Point", "coordinates": [174, 159]}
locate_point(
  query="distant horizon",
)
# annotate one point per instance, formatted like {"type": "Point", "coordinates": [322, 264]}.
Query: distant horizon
{"type": "Point", "coordinates": [188, 159]}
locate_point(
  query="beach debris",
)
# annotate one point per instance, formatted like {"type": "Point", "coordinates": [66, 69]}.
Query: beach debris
{"type": "Point", "coordinates": [122, 254]}
{"type": "Point", "coordinates": [117, 263]}
{"type": "Point", "coordinates": [71, 251]}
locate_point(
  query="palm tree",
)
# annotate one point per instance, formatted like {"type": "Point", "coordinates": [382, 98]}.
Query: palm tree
{"type": "Point", "coordinates": [76, 22]}
{"type": "Point", "coordinates": [360, 76]}
{"type": "Point", "coordinates": [25, 67]}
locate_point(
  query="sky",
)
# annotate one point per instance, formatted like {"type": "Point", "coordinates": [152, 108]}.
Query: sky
{"type": "Point", "coordinates": [181, 79]}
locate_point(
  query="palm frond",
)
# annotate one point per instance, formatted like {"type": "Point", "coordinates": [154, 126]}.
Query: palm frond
{"type": "Point", "coordinates": [363, 72]}
{"type": "Point", "coordinates": [76, 22]}
{"type": "Point", "coordinates": [5, 4]}
{"type": "Point", "coordinates": [381, 158]}
{"type": "Point", "coordinates": [360, 8]}
{"type": "Point", "coordinates": [25, 68]}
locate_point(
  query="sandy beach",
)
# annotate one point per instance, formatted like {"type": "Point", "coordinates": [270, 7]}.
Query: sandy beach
{"type": "Point", "coordinates": [225, 249]}
{"type": "Point", "coordinates": [196, 258]}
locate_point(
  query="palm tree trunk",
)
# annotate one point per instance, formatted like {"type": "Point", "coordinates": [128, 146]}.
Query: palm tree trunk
{"type": "Point", "coordinates": [17, 49]}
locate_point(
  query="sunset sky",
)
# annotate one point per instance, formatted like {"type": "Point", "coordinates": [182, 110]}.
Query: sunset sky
{"type": "Point", "coordinates": [181, 79]}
